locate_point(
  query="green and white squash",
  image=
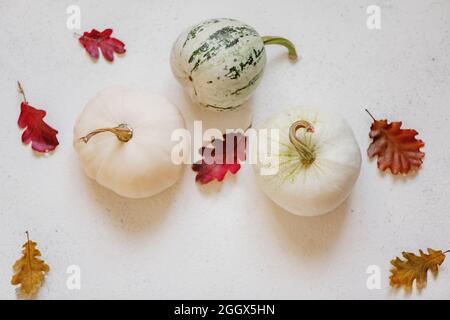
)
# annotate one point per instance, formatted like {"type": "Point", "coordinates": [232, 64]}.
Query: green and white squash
{"type": "Point", "coordinates": [221, 61]}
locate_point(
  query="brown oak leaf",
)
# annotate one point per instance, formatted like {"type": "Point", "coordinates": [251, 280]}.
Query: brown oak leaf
{"type": "Point", "coordinates": [29, 270]}
{"type": "Point", "coordinates": [396, 148]}
{"type": "Point", "coordinates": [404, 272]}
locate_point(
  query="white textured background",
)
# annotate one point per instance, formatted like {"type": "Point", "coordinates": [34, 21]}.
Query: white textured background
{"type": "Point", "coordinates": [229, 240]}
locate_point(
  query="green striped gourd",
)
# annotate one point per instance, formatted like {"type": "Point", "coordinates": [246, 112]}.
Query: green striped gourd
{"type": "Point", "coordinates": [221, 61]}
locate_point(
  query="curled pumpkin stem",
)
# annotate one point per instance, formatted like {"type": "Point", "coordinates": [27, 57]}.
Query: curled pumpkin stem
{"type": "Point", "coordinates": [306, 152]}
{"type": "Point", "coordinates": [292, 52]}
{"type": "Point", "coordinates": [123, 132]}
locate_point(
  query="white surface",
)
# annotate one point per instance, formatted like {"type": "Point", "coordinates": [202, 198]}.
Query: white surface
{"type": "Point", "coordinates": [226, 240]}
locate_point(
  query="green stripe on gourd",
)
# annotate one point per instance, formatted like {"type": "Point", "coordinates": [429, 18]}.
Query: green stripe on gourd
{"type": "Point", "coordinates": [219, 41]}
{"type": "Point", "coordinates": [210, 106]}
{"type": "Point", "coordinates": [255, 56]}
{"type": "Point", "coordinates": [252, 82]}
{"type": "Point", "coordinates": [197, 29]}
{"type": "Point", "coordinates": [221, 61]}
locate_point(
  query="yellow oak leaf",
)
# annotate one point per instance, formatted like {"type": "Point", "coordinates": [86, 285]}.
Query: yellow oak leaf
{"type": "Point", "coordinates": [404, 272]}
{"type": "Point", "coordinates": [29, 270]}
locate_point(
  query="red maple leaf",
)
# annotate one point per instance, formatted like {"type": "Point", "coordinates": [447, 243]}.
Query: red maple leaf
{"type": "Point", "coordinates": [396, 148]}
{"type": "Point", "coordinates": [95, 40]}
{"type": "Point", "coordinates": [218, 160]}
{"type": "Point", "coordinates": [41, 135]}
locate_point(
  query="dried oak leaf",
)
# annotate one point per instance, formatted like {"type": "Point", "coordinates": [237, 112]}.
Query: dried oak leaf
{"type": "Point", "coordinates": [416, 268]}
{"type": "Point", "coordinates": [95, 40]}
{"type": "Point", "coordinates": [29, 271]}
{"type": "Point", "coordinates": [396, 148]}
{"type": "Point", "coordinates": [224, 155]}
{"type": "Point", "coordinates": [40, 134]}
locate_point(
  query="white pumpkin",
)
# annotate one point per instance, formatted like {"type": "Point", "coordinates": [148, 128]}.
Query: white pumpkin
{"type": "Point", "coordinates": [220, 62]}
{"type": "Point", "coordinates": [123, 139]}
{"type": "Point", "coordinates": [316, 165]}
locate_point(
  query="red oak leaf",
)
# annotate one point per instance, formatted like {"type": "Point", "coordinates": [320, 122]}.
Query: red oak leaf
{"type": "Point", "coordinates": [41, 135]}
{"type": "Point", "coordinates": [396, 148]}
{"type": "Point", "coordinates": [224, 155]}
{"type": "Point", "coordinates": [94, 40]}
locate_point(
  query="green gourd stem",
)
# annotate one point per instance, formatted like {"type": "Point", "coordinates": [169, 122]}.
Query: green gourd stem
{"type": "Point", "coordinates": [306, 152]}
{"type": "Point", "coordinates": [123, 132]}
{"type": "Point", "coordinates": [284, 42]}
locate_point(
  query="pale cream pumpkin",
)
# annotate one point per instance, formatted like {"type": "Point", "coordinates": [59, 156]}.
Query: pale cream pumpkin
{"type": "Point", "coordinates": [316, 163]}
{"type": "Point", "coordinates": [123, 139]}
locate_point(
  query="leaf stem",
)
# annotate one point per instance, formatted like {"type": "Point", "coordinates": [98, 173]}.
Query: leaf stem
{"type": "Point", "coordinates": [283, 42]}
{"type": "Point", "coordinates": [29, 256]}
{"type": "Point", "coordinates": [445, 252]}
{"type": "Point", "coordinates": [370, 115]}
{"type": "Point", "coordinates": [123, 132]}
{"type": "Point", "coordinates": [22, 92]}
{"type": "Point", "coordinates": [306, 152]}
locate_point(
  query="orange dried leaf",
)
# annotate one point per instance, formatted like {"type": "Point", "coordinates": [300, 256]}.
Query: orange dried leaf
{"type": "Point", "coordinates": [29, 271]}
{"type": "Point", "coordinates": [396, 148]}
{"type": "Point", "coordinates": [416, 268]}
